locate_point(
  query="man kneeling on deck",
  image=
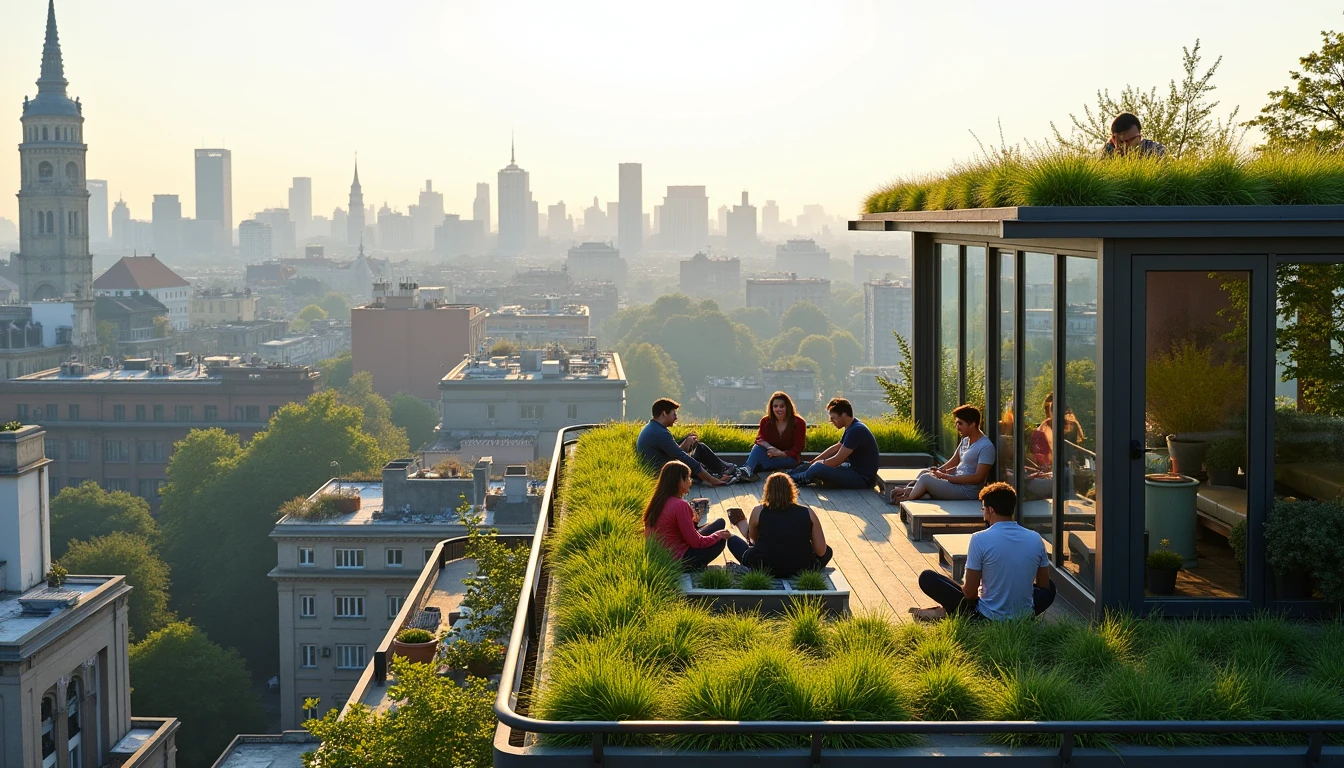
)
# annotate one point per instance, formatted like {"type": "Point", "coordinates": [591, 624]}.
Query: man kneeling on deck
{"type": "Point", "coordinates": [1007, 569]}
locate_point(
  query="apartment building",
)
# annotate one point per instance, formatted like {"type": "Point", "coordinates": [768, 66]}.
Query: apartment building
{"type": "Point", "coordinates": [530, 327]}
{"type": "Point", "coordinates": [804, 258]}
{"type": "Point", "coordinates": [777, 294]}
{"type": "Point", "coordinates": [888, 309]}
{"type": "Point", "coordinates": [409, 342]}
{"type": "Point", "coordinates": [221, 308]}
{"type": "Point", "coordinates": [703, 277]}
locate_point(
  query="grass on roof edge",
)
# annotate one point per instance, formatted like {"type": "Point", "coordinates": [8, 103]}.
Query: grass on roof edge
{"type": "Point", "coordinates": [629, 646]}
{"type": "Point", "coordinates": [1064, 178]}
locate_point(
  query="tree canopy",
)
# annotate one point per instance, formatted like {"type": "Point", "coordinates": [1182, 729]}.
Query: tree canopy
{"type": "Point", "coordinates": [413, 415]}
{"type": "Point", "coordinates": [178, 672]}
{"type": "Point", "coordinates": [336, 371]}
{"type": "Point", "coordinates": [807, 316]}
{"type": "Point", "coordinates": [306, 316]}
{"type": "Point", "coordinates": [1309, 112]}
{"type": "Point", "coordinates": [336, 305]}
{"type": "Point", "coordinates": [758, 319]}
{"type": "Point", "coordinates": [87, 511]}
{"type": "Point", "coordinates": [129, 555]}
{"type": "Point", "coordinates": [650, 374]}
{"type": "Point", "coordinates": [358, 393]}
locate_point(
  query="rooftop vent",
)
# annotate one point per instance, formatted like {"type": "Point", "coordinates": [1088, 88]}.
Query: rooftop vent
{"type": "Point", "coordinates": [530, 359]}
{"type": "Point", "coordinates": [182, 359]}
{"type": "Point", "coordinates": [136, 363]}
{"type": "Point", "coordinates": [550, 368]}
{"type": "Point", "coordinates": [515, 483]}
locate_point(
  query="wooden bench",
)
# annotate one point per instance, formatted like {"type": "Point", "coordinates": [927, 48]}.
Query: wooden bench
{"type": "Point", "coordinates": [952, 549]}
{"type": "Point", "coordinates": [893, 477]}
{"type": "Point", "coordinates": [1219, 508]}
{"type": "Point", "coordinates": [917, 514]}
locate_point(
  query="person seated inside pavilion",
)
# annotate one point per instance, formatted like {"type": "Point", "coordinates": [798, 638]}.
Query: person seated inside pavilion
{"type": "Point", "coordinates": [850, 463]}
{"type": "Point", "coordinates": [785, 536]}
{"type": "Point", "coordinates": [1040, 459]}
{"type": "Point", "coordinates": [671, 518]}
{"type": "Point", "coordinates": [963, 475]}
{"type": "Point", "coordinates": [1007, 569]}
{"type": "Point", "coordinates": [657, 447]}
{"type": "Point", "coordinates": [780, 439]}
{"type": "Point", "coordinates": [1127, 139]}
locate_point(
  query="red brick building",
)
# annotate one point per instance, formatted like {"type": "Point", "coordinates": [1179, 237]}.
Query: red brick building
{"type": "Point", "coordinates": [409, 343]}
{"type": "Point", "coordinates": [117, 426]}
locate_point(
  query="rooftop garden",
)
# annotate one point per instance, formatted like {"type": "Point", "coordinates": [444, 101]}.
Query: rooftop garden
{"type": "Point", "coordinates": [893, 435]}
{"type": "Point", "coordinates": [1068, 177]}
{"type": "Point", "coordinates": [628, 646]}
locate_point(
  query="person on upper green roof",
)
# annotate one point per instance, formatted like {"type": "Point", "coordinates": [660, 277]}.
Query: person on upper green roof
{"type": "Point", "coordinates": [1127, 137]}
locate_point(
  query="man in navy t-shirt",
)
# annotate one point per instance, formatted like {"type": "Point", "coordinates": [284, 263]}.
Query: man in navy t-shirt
{"type": "Point", "coordinates": [850, 463]}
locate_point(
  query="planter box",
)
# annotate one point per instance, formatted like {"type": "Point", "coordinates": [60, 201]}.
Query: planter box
{"type": "Point", "coordinates": [835, 601]}
{"type": "Point", "coordinates": [348, 504]}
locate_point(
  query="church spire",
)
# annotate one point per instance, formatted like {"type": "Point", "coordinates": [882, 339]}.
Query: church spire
{"type": "Point", "coordinates": [356, 182]}
{"type": "Point", "coordinates": [511, 160]}
{"type": "Point", "coordinates": [53, 71]}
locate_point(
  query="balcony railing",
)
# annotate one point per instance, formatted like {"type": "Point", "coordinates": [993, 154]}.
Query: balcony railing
{"type": "Point", "coordinates": [521, 662]}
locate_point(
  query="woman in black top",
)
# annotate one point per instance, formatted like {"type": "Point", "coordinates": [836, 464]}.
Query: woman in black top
{"type": "Point", "coordinates": [786, 536]}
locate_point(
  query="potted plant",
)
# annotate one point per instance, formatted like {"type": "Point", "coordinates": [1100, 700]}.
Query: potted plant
{"type": "Point", "coordinates": [480, 658]}
{"type": "Point", "coordinates": [1293, 531]}
{"type": "Point", "coordinates": [1225, 456]}
{"type": "Point", "coordinates": [56, 575]}
{"type": "Point", "coordinates": [419, 645]}
{"type": "Point", "coordinates": [1189, 392]}
{"type": "Point", "coordinates": [1163, 564]}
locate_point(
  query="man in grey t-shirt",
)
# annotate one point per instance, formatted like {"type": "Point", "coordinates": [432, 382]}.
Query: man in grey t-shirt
{"type": "Point", "coordinates": [1007, 568]}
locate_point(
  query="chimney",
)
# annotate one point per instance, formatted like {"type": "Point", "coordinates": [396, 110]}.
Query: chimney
{"type": "Point", "coordinates": [515, 483]}
{"type": "Point", "coordinates": [25, 517]}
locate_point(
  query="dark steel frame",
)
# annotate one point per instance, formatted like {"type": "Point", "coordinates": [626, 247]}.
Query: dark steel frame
{"type": "Point", "coordinates": [524, 650]}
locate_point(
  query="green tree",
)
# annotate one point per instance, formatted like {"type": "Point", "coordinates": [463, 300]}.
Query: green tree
{"type": "Point", "coordinates": [359, 393]}
{"type": "Point", "coordinates": [1182, 119]}
{"type": "Point", "coordinates": [1309, 113]}
{"type": "Point", "coordinates": [1311, 333]}
{"type": "Point", "coordinates": [821, 349]}
{"type": "Point", "coordinates": [808, 316]}
{"type": "Point", "coordinates": [900, 392]}
{"type": "Point", "coordinates": [336, 371]}
{"type": "Point", "coordinates": [436, 723]}
{"type": "Point", "coordinates": [336, 305]}
{"type": "Point", "coordinates": [503, 347]}
{"type": "Point", "coordinates": [758, 319]}
{"type": "Point", "coordinates": [163, 327]}
{"type": "Point", "coordinates": [107, 336]}
{"type": "Point", "coordinates": [87, 511]}
{"type": "Point", "coordinates": [411, 414]}
{"type": "Point", "coordinates": [786, 343]}
{"type": "Point", "coordinates": [708, 344]}
{"type": "Point", "coordinates": [131, 556]}
{"type": "Point", "coordinates": [221, 504]}
{"type": "Point", "coordinates": [797, 363]}
{"type": "Point", "coordinates": [848, 353]}
{"type": "Point", "coordinates": [672, 304]}
{"type": "Point", "coordinates": [650, 374]}
{"type": "Point", "coordinates": [179, 673]}
{"type": "Point", "coordinates": [306, 316]}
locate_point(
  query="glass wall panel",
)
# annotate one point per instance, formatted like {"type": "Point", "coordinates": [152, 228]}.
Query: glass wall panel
{"type": "Point", "coordinates": [1194, 490]}
{"type": "Point", "coordinates": [1309, 411]}
{"type": "Point", "coordinates": [949, 303]}
{"type": "Point", "coordinates": [977, 324]}
{"type": "Point", "coordinates": [1007, 455]}
{"type": "Point", "coordinates": [1078, 419]}
{"type": "Point", "coordinates": [1037, 434]}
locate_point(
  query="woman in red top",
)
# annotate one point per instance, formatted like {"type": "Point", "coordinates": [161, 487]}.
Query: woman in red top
{"type": "Point", "coordinates": [669, 517]}
{"type": "Point", "coordinates": [779, 441]}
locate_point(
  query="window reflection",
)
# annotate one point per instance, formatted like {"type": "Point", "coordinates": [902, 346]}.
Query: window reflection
{"type": "Point", "coordinates": [949, 281]}
{"type": "Point", "coordinates": [1078, 419]}
{"type": "Point", "coordinates": [1038, 429]}
{"type": "Point", "coordinates": [976, 315]}
{"type": "Point", "coordinates": [1007, 454]}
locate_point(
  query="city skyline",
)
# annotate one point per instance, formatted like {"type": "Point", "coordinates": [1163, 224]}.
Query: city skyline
{"type": "Point", "coordinates": [821, 129]}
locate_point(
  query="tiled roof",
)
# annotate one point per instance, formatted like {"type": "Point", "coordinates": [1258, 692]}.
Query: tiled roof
{"type": "Point", "coordinates": [142, 272]}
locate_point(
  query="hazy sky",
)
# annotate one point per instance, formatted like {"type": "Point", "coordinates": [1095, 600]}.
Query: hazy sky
{"type": "Point", "coordinates": [796, 102]}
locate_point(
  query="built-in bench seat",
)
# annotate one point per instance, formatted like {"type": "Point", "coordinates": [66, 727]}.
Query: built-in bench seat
{"type": "Point", "coordinates": [894, 477]}
{"type": "Point", "coordinates": [935, 513]}
{"type": "Point", "coordinates": [1219, 508]}
{"type": "Point", "coordinates": [1319, 480]}
{"type": "Point", "coordinates": [952, 549]}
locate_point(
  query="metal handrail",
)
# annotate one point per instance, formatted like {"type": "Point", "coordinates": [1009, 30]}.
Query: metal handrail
{"type": "Point", "coordinates": [525, 631]}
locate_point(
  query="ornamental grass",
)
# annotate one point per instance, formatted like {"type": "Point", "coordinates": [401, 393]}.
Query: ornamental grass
{"type": "Point", "coordinates": [629, 646]}
{"type": "Point", "coordinates": [892, 435]}
{"type": "Point", "coordinates": [1056, 177]}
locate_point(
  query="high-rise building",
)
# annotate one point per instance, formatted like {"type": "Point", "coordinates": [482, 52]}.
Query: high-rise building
{"type": "Point", "coordinates": [515, 208]}
{"type": "Point", "coordinates": [594, 221]}
{"type": "Point", "coordinates": [559, 224]}
{"type": "Point", "coordinates": [121, 224]}
{"type": "Point", "coordinates": [354, 222]}
{"type": "Point", "coordinates": [214, 193]}
{"type": "Point", "coordinates": [338, 225]}
{"type": "Point", "coordinates": [770, 219]}
{"type": "Point", "coordinates": [428, 215]}
{"type": "Point", "coordinates": [459, 237]}
{"type": "Point", "coordinates": [480, 208]}
{"type": "Point", "coordinates": [301, 208]}
{"type": "Point", "coordinates": [98, 212]}
{"type": "Point", "coordinates": [887, 309]}
{"type": "Point", "coordinates": [167, 218]}
{"type": "Point", "coordinates": [254, 241]}
{"type": "Point", "coordinates": [685, 219]}
{"type": "Point", "coordinates": [702, 276]}
{"type": "Point", "coordinates": [282, 230]}
{"type": "Point", "coordinates": [742, 227]}
{"type": "Point", "coordinates": [436, 334]}
{"type": "Point", "coordinates": [395, 230]}
{"type": "Point", "coordinates": [630, 230]}
{"type": "Point", "coordinates": [804, 258]}
{"type": "Point", "coordinates": [722, 220]}
{"type": "Point", "coordinates": [777, 294]}
{"type": "Point", "coordinates": [596, 261]}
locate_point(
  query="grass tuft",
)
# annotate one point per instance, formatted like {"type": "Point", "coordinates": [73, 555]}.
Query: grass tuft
{"type": "Point", "coordinates": [952, 690]}
{"type": "Point", "coordinates": [861, 684]}
{"type": "Point", "coordinates": [810, 581]}
{"type": "Point", "coordinates": [756, 579]}
{"type": "Point", "coordinates": [762, 683]}
{"type": "Point", "coordinates": [714, 578]}
{"type": "Point", "coordinates": [805, 623]}
{"type": "Point", "coordinates": [1027, 693]}
{"type": "Point", "coordinates": [597, 679]}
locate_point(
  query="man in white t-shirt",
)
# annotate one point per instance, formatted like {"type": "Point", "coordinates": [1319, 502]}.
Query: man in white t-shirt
{"type": "Point", "coordinates": [965, 473]}
{"type": "Point", "coordinates": [1007, 568]}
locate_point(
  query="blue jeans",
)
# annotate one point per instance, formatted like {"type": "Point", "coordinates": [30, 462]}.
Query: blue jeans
{"type": "Point", "coordinates": [842, 476]}
{"type": "Point", "coordinates": [758, 459]}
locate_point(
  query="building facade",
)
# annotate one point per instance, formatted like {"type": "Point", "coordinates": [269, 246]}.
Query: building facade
{"type": "Point", "coordinates": [354, 220]}
{"type": "Point", "coordinates": [685, 219]}
{"type": "Point", "coordinates": [307, 349]}
{"type": "Point", "coordinates": [888, 309]}
{"type": "Point", "coordinates": [777, 294]}
{"type": "Point", "coordinates": [214, 307]}
{"type": "Point", "coordinates": [117, 426]}
{"type": "Point", "coordinates": [480, 207]}
{"type": "Point", "coordinates": [301, 207]}
{"type": "Point", "coordinates": [214, 194]}
{"type": "Point", "coordinates": [99, 235]}
{"type": "Point", "coordinates": [148, 275]}
{"type": "Point", "coordinates": [702, 276]}
{"type": "Point", "coordinates": [166, 215]}
{"type": "Point", "coordinates": [596, 261]}
{"type": "Point", "coordinates": [536, 327]}
{"type": "Point", "coordinates": [515, 202]}
{"type": "Point", "coordinates": [630, 225]}
{"type": "Point", "coordinates": [803, 258]}
{"type": "Point", "coordinates": [741, 227]}
{"type": "Point", "coordinates": [409, 343]}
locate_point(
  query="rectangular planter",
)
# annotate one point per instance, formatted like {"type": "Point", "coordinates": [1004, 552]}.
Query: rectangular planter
{"type": "Point", "coordinates": [835, 601]}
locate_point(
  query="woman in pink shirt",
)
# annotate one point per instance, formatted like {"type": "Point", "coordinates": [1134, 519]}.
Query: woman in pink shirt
{"type": "Point", "coordinates": [669, 517]}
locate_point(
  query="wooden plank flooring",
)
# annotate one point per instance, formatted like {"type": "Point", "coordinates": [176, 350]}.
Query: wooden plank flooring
{"type": "Point", "coordinates": [871, 548]}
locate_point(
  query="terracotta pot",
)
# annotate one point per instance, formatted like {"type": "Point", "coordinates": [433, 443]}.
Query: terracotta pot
{"type": "Point", "coordinates": [419, 652]}
{"type": "Point", "coordinates": [1187, 456]}
{"type": "Point", "coordinates": [1162, 581]}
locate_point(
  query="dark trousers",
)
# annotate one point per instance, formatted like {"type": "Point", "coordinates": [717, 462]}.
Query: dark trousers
{"type": "Point", "coordinates": [948, 594]}
{"type": "Point", "coordinates": [842, 476]}
{"type": "Point", "coordinates": [749, 558]}
{"type": "Point", "coordinates": [697, 559]}
{"type": "Point", "coordinates": [709, 460]}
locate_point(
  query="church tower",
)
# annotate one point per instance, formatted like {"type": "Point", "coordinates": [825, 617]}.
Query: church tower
{"type": "Point", "coordinates": [54, 260]}
{"type": "Point", "coordinates": [354, 220]}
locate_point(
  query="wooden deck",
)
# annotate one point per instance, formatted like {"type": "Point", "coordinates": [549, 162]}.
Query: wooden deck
{"type": "Point", "coordinates": [871, 548]}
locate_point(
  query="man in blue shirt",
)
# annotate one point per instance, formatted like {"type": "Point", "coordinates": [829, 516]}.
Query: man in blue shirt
{"type": "Point", "coordinates": [657, 447]}
{"type": "Point", "coordinates": [850, 463]}
{"type": "Point", "coordinates": [1007, 569]}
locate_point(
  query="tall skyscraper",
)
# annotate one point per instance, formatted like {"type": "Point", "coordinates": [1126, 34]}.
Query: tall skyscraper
{"type": "Point", "coordinates": [742, 227]}
{"type": "Point", "coordinates": [338, 225]}
{"type": "Point", "coordinates": [559, 224]}
{"type": "Point", "coordinates": [480, 209]}
{"type": "Point", "coordinates": [301, 207]}
{"type": "Point", "coordinates": [167, 218]}
{"type": "Point", "coordinates": [515, 208]}
{"type": "Point", "coordinates": [282, 230]}
{"type": "Point", "coordinates": [98, 212]}
{"type": "Point", "coordinates": [214, 194]}
{"type": "Point", "coordinates": [121, 224]}
{"type": "Point", "coordinates": [630, 228]}
{"type": "Point", "coordinates": [354, 220]}
{"type": "Point", "coordinates": [770, 219]}
{"type": "Point", "coordinates": [685, 219]}
{"type": "Point", "coordinates": [428, 215]}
